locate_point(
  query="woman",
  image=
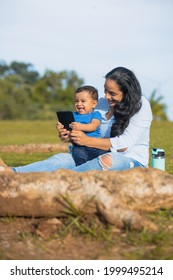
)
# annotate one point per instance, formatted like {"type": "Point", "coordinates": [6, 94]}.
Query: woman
{"type": "Point", "coordinates": [126, 121]}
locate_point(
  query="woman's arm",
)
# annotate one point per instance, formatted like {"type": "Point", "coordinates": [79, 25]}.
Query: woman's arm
{"type": "Point", "coordinates": [137, 132]}
{"type": "Point", "coordinates": [82, 139]}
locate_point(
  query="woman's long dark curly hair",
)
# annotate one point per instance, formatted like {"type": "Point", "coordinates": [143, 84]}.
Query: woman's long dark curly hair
{"type": "Point", "coordinates": [131, 102]}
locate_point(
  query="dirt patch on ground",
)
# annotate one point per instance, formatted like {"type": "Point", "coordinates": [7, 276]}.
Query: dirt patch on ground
{"type": "Point", "coordinates": [60, 239]}
{"type": "Point", "coordinates": [34, 239]}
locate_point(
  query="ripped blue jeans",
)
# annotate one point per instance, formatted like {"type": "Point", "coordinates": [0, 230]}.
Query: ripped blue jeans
{"type": "Point", "coordinates": [108, 161]}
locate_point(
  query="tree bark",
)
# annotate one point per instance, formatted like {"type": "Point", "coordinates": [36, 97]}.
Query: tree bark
{"type": "Point", "coordinates": [120, 197]}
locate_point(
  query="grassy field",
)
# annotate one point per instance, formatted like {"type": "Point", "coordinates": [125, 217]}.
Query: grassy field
{"type": "Point", "coordinates": [27, 132]}
{"type": "Point", "coordinates": [131, 245]}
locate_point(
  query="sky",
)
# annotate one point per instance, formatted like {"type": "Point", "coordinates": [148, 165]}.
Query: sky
{"type": "Point", "coordinates": [92, 37]}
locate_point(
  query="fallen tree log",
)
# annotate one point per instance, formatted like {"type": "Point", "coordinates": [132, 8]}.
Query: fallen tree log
{"type": "Point", "coordinates": [120, 197]}
{"type": "Point", "coordinates": [34, 148]}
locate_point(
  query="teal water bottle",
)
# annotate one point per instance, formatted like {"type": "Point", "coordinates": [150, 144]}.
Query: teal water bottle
{"type": "Point", "coordinates": [158, 158]}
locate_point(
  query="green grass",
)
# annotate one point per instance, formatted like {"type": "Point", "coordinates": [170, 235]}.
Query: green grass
{"type": "Point", "coordinates": [161, 137]}
{"type": "Point", "coordinates": [153, 245]}
{"type": "Point", "coordinates": [27, 132]}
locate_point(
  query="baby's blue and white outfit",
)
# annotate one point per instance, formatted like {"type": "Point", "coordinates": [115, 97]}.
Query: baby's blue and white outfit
{"type": "Point", "coordinates": [82, 154]}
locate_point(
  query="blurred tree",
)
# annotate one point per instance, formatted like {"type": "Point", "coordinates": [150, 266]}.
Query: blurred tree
{"type": "Point", "coordinates": [57, 89]}
{"type": "Point", "coordinates": [158, 108]}
{"type": "Point", "coordinates": [26, 95]}
{"type": "Point", "coordinates": [20, 69]}
{"type": "Point", "coordinates": [15, 102]}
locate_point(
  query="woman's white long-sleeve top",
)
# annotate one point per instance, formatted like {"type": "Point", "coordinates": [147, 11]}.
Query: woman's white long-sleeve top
{"type": "Point", "coordinates": [136, 136]}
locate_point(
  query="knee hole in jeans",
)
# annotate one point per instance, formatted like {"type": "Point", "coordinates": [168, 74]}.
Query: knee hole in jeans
{"type": "Point", "coordinates": [132, 164]}
{"type": "Point", "coordinates": [105, 161]}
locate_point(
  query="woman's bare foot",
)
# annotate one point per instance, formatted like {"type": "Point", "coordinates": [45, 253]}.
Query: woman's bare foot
{"type": "Point", "coordinates": [4, 167]}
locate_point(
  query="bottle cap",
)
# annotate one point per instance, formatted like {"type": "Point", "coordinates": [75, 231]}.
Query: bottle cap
{"type": "Point", "coordinates": [158, 152]}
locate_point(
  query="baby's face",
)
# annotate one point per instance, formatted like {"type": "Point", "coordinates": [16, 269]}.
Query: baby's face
{"type": "Point", "coordinates": [84, 103]}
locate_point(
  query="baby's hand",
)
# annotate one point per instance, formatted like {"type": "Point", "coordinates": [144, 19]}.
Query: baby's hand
{"type": "Point", "coordinates": [75, 126]}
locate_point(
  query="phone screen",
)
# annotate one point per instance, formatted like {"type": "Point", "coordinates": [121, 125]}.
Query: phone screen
{"type": "Point", "coordinates": [66, 118]}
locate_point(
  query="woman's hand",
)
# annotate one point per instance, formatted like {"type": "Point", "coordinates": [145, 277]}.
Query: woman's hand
{"type": "Point", "coordinates": [79, 137]}
{"type": "Point", "coordinates": [59, 126]}
{"type": "Point", "coordinates": [63, 133]}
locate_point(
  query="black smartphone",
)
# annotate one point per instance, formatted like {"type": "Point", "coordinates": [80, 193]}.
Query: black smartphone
{"type": "Point", "coordinates": [66, 118]}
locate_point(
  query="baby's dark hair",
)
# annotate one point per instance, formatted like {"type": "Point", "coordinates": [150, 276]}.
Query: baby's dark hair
{"type": "Point", "coordinates": [91, 90]}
